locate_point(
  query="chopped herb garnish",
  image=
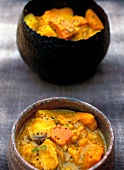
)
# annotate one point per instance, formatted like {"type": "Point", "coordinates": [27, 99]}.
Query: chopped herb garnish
{"type": "Point", "coordinates": [35, 150]}
{"type": "Point", "coordinates": [43, 147]}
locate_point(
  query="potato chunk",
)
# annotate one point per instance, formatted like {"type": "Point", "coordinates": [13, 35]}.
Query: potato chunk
{"type": "Point", "coordinates": [48, 157]}
{"type": "Point", "coordinates": [87, 120]}
{"type": "Point", "coordinates": [63, 12]}
{"type": "Point", "coordinates": [78, 20]}
{"type": "Point", "coordinates": [92, 156]}
{"type": "Point", "coordinates": [31, 21]}
{"type": "Point", "coordinates": [93, 20]}
{"type": "Point", "coordinates": [40, 126]}
{"type": "Point", "coordinates": [63, 27]}
{"type": "Point", "coordinates": [46, 30]}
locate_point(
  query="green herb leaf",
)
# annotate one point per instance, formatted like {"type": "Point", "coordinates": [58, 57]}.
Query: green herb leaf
{"type": "Point", "coordinates": [43, 147]}
{"type": "Point", "coordinates": [35, 150]}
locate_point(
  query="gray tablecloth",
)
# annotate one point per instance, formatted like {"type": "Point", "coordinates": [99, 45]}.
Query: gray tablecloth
{"type": "Point", "coordinates": [20, 87]}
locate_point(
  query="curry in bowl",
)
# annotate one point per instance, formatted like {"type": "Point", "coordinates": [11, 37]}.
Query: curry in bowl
{"type": "Point", "coordinates": [62, 23]}
{"type": "Point", "coordinates": [63, 41]}
{"type": "Point", "coordinates": [61, 140]}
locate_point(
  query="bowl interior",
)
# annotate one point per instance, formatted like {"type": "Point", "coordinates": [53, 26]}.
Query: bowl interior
{"type": "Point", "coordinates": [69, 104]}
{"type": "Point", "coordinates": [38, 7]}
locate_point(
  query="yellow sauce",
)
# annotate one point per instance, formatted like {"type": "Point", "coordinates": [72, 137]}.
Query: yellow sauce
{"type": "Point", "coordinates": [61, 140]}
{"type": "Point", "coordinates": [62, 23]}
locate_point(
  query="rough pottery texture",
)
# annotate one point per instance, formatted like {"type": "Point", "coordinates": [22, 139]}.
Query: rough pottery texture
{"type": "Point", "coordinates": [14, 158]}
{"type": "Point", "coordinates": [58, 60]}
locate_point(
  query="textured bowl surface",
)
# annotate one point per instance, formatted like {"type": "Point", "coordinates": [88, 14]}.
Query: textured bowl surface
{"type": "Point", "coordinates": [58, 60]}
{"type": "Point", "coordinates": [14, 158]}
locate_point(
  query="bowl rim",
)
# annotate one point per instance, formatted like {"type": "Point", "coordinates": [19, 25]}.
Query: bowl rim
{"type": "Point", "coordinates": [53, 99]}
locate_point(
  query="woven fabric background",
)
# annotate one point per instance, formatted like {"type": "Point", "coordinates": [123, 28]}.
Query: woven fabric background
{"type": "Point", "coordinates": [20, 87]}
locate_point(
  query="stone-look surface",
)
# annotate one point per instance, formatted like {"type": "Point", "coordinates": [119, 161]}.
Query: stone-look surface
{"type": "Point", "coordinates": [15, 160]}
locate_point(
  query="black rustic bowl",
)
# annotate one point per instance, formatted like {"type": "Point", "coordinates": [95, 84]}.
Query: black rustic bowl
{"type": "Point", "coordinates": [14, 158]}
{"type": "Point", "coordinates": [58, 60]}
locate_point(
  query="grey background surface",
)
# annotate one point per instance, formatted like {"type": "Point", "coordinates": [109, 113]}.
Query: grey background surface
{"type": "Point", "coordinates": [20, 87]}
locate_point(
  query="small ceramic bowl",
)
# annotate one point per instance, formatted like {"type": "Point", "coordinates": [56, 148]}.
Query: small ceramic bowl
{"type": "Point", "coordinates": [58, 60]}
{"type": "Point", "coordinates": [14, 158]}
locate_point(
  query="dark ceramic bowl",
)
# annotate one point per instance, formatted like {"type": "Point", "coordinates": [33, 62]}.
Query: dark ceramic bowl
{"type": "Point", "coordinates": [13, 156]}
{"type": "Point", "coordinates": [57, 60]}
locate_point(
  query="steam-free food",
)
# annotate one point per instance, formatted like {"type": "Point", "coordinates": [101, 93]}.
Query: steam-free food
{"type": "Point", "coordinates": [61, 140]}
{"type": "Point", "coordinates": [63, 23]}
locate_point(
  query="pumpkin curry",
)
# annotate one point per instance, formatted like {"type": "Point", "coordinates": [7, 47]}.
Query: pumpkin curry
{"type": "Point", "coordinates": [62, 23]}
{"type": "Point", "coordinates": [61, 140]}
